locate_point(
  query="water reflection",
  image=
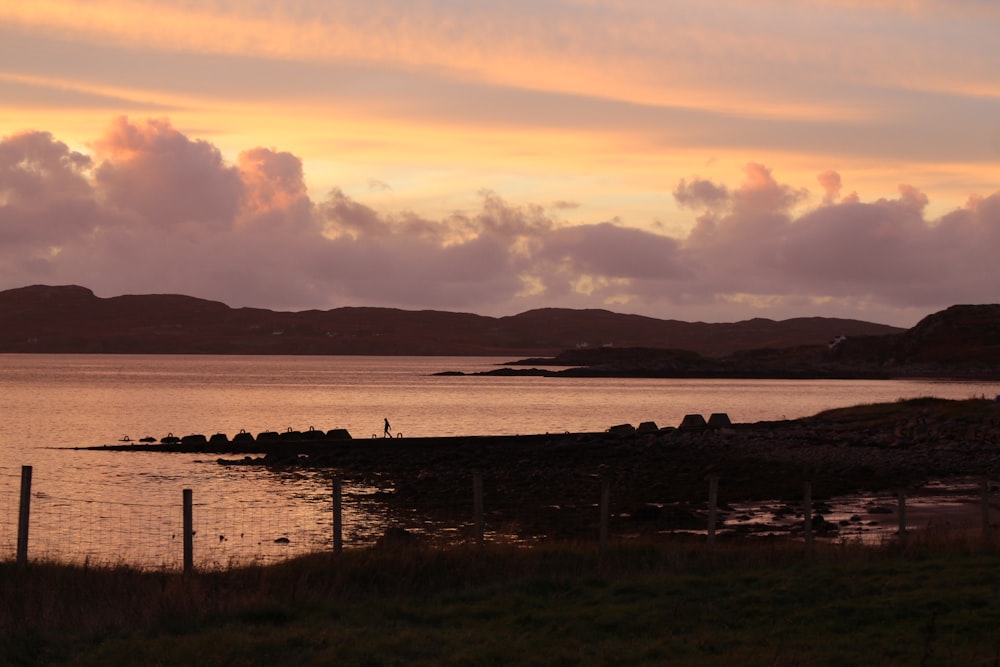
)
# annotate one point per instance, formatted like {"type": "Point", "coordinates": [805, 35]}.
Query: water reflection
{"type": "Point", "coordinates": [242, 531]}
{"type": "Point", "coordinates": [127, 506]}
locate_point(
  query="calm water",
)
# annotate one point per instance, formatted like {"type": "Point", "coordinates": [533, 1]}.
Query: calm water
{"type": "Point", "coordinates": [106, 505]}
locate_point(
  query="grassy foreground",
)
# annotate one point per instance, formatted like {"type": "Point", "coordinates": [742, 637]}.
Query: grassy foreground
{"type": "Point", "coordinates": [664, 603]}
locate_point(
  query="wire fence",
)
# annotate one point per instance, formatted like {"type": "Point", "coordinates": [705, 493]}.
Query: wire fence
{"type": "Point", "coordinates": [35, 525]}
{"type": "Point", "coordinates": [80, 530]}
{"type": "Point", "coordinates": [8, 520]}
{"type": "Point", "coordinates": [75, 530]}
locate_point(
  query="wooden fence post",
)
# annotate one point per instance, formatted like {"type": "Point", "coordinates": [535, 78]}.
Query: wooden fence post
{"type": "Point", "coordinates": [23, 516]}
{"type": "Point", "coordinates": [338, 517]}
{"type": "Point", "coordinates": [477, 507]}
{"type": "Point", "coordinates": [902, 515]}
{"type": "Point", "coordinates": [188, 531]}
{"type": "Point", "coordinates": [713, 501]}
{"type": "Point", "coordinates": [807, 529]}
{"type": "Point", "coordinates": [986, 509]}
{"type": "Point", "coordinates": [605, 513]}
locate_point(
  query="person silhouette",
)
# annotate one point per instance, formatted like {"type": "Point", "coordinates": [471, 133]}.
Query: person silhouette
{"type": "Point", "coordinates": [386, 433]}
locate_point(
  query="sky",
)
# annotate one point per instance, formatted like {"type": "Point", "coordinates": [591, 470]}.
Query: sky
{"type": "Point", "coordinates": [710, 161]}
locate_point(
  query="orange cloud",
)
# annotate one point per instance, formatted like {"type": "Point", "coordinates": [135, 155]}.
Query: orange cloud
{"type": "Point", "coordinates": [582, 54]}
{"type": "Point", "coordinates": [248, 234]}
{"type": "Point", "coordinates": [607, 104]}
{"type": "Point", "coordinates": [272, 180]}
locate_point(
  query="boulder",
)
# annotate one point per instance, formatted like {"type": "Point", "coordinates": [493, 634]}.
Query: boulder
{"type": "Point", "coordinates": [290, 435]}
{"type": "Point", "coordinates": [194, 440]}
{"type": "Point", "coordinates": [693, 421]}
{"type": "Point", "coordinates": [719, 419]}
{"type": "Point", "coordinates": [243, 437]}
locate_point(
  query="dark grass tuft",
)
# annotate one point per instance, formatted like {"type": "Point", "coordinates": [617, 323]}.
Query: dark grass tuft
{"type": "Point", "coordinates": [934, 600]}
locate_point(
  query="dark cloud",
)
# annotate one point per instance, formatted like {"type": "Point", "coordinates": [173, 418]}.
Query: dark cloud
{"type": "Point", "coordinates": [343, 215]}
{"type": "Point", "coordinates": [464, 261]}
{"type": "Point", "coordinates": [885, 252]}
{"type": "Point", "coordinates": [610, 251]}
{"type": "Point", "coordinates": [700, 193]}
{"type": "Point", "coordinates": [851, 247]}
{"type": "Point", "coordinates": [46, 203]}
{"type": "Point", "coordinates": [34, 167]}
{"type": "Point", "coordinates": [500, 219]}
{"type": "Point", "coordinates": [155, 211]}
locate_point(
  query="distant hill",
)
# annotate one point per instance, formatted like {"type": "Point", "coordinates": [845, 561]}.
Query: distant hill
{"type": "Point", "coordinates": [960, 334]}
{"type": "Point", "coordinates": [959, 342]}
{"type": "Point", "coordinates": [67, 319]}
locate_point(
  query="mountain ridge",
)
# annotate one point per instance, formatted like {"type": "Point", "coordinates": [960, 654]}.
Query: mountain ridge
{"type": "Point", "coordinates": [962, 341]}
{"type": "Point", "coordinates": [72, 319]}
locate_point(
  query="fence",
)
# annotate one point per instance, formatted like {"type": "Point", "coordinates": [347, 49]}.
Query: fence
{"type": "Point", "coordinates": [43, 525]}
{"type": "Point", "coordinates": [215, 536]}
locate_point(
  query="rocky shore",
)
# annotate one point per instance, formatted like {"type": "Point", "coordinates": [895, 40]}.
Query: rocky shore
{"type": "Point", "coordinates": [659, 478]}
{"type": "Point", "coordinates": [549, 484]}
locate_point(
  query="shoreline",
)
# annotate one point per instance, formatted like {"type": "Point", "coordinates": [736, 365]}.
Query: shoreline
{"type": "Point", "coordinates": [658, 477]}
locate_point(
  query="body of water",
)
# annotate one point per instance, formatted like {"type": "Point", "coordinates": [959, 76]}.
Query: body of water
{"type": "Point", "coordinates": [108, 505]}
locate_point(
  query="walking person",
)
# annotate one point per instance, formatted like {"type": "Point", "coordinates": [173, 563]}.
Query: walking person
{"type": "Point", "coordinates": [387, 433]}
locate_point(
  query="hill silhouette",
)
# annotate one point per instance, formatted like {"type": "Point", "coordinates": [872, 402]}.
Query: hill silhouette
{"type": "Point", "coordinates": [960, 342]}
{"type": "Point", "coordinates": [72, 319]}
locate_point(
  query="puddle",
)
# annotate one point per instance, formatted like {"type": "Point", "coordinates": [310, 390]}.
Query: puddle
{"type": "Point", "coordinates": [941, 504]}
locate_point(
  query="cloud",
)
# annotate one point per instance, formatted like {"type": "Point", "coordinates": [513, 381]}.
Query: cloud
{"type": "Point", "coordinates": [165, 179]}
{"type": "Point", "coordinates": [274, 195]}
{"type": "Point", "coordinates": [346, 216]}
{"type": "Point", "coordinates": [700, 193]}
{"type": "Point", "coordinates": [463, 261]}
{"type": "Point", "coordinates": [155, 211]}
{"type": "Point", "coordinates": [612, 252]}
{"type": "Point", "coordinates": [830, 180]}
{"type": "Point", "coordinates": [46, 200]}
{"type": "Point", "coordinates": [760, 193]}
{"type": "Point", "coordinates": [885, 251]}
{"type": "Point", "coordinates": [34, 167]}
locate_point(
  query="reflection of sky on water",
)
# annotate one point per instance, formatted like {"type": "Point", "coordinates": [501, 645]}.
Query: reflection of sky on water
{"type": "Point", "coordinates": [299, 521]}
{"type": "Point", "coordinates": [112, 505]}
{"type": "Point", "coordinates": [227, 531]}
{"type": "Point", "coordinates": [944, 505]}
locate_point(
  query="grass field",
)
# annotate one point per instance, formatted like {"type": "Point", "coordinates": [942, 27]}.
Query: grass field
{"type": "Point", "coordinates": [936, 602]}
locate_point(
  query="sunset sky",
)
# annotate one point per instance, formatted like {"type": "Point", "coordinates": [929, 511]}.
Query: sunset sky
{"type": "Point", "coordinates": [708, 161]}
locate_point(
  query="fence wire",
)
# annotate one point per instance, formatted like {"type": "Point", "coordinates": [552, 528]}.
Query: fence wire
{"type": "Point", "coordinates": [84, 531]}
{"type": "Point", "coordinates": [79, 530]}
{"type": "Point", "coordinates": [98, 532]}
{"type": "Point", "coordinates": [9, 501]}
